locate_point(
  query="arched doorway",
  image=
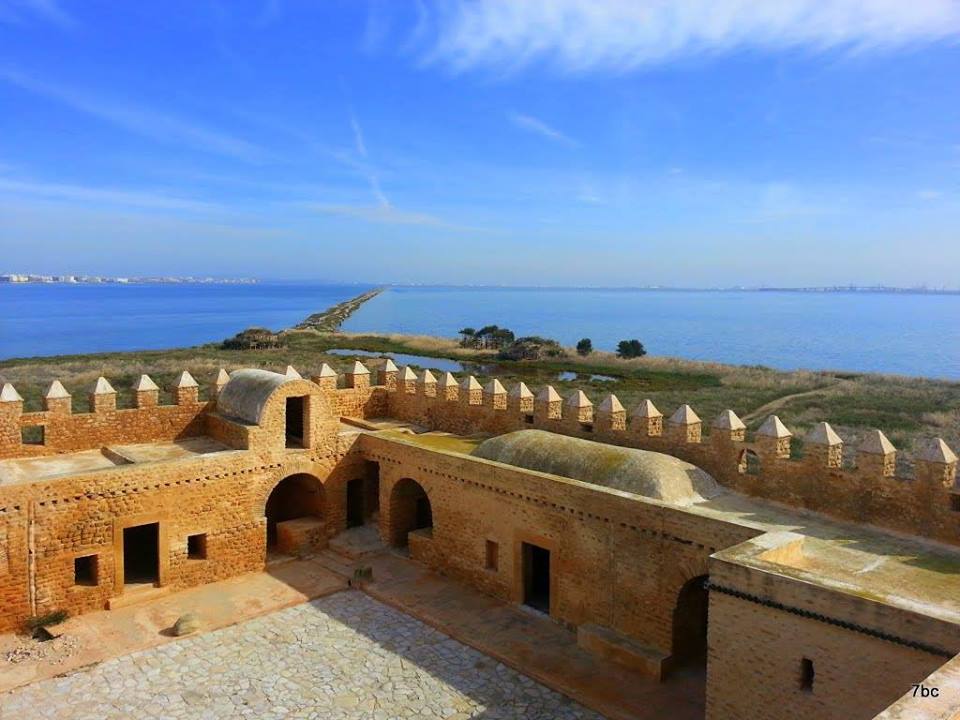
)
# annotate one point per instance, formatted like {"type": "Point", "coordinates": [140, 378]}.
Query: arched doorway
{"type": "Point", "coordinates": [410, 510]}
{"type": "Point", "coordinates": [690, 624]}
{"type": "Point", "coordinates": [295, 497]}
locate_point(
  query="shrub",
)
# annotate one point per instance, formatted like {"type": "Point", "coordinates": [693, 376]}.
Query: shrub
{"type": "Point", "coordinates": [255, 338]}
{"type": "Point", "coordinates": [630, 349]}
{"type": "Point", "coordinates": [584, 347]}
{"type": "Point", "coordinates": [531, 348]}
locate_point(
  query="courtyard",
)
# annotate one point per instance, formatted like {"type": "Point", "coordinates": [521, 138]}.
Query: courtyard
{"type": "Point", "coordinates": [342, 656]}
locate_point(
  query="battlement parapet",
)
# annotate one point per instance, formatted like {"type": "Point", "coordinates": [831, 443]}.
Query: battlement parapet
{"type": "Point", "coordinates": [762, 465]}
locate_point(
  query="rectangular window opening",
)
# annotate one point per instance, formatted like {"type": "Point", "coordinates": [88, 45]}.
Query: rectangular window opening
{"type": "Point", "coordinates": [955, 503]}
{"type": "Point", "coordinates": [32, 435]}
{"type": "Point", "coordinates": [528, 418]}
{"type": "Point", "coordinates": [586, 427]}
{"type": "Point", "coordinates": [197, 546]}
{"type": "Point", "coordinates": [806, 675]}
{"type": "Point", "coordinates": [493, 555]}
{"type": "Point", "coordinates": [85, 570]}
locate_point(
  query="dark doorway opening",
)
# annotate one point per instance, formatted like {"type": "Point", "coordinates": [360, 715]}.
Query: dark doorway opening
{"type": "Point", "coordinates": [690, 624]}
{"type": "Point", "coordinates": [356, 502]}
{"type": "Point", "coordinates": [410, 510]}
{"type": "Point", "coordinates": [295, 412]}
{"type": "Point", "coordinates": [536, 577]}
{"type": "Point", "coordinates": [141, 554]}
{"type": "Point", "coordinates": [294, 497]}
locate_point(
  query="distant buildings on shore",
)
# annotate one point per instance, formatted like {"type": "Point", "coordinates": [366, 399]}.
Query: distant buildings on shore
{"type": "Point", "coordinates": [101, 279]}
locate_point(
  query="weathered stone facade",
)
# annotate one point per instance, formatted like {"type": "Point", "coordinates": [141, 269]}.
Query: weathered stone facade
{"type": "Point", "coordinates": [204, 489]}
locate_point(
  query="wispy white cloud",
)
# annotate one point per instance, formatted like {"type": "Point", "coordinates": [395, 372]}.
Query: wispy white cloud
{"type": "Point", "coordinates": [535, 125]}
{"type": "Point", "coordinates": [141, 121]}
{"type": "Point", "coordinates": [16, 11]}
{"type": "Point", "coordinates": [104, 196]}
{"type": "Point", "coordinates": [358, 140]}
{"type": "Point", "coordinates": [580, 36]}
{"type": "Point", "coordinates": [385, 215]}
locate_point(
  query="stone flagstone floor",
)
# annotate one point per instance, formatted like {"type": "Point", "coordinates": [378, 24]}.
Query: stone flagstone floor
{"type": "Point", "coordinates": [343, 656]}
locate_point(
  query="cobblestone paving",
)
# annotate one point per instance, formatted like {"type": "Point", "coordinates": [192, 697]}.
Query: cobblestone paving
{"type": "Point", "coordinates": [344, 656]}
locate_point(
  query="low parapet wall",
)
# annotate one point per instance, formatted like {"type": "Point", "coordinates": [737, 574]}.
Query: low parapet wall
{"type": "Point", "coordinates": [927, 504]}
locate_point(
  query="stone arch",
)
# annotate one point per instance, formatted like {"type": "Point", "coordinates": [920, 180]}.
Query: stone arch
{"type": "Point", "coordinates": [410, 509]}
{"type": "Point", "coordinates": [690, 624]}
{"type": "Point", "coordinates": [298, 496]}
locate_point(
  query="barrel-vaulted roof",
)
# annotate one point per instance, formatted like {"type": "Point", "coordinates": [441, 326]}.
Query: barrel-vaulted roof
{"type": "Point", "coordinates": [652, 474]}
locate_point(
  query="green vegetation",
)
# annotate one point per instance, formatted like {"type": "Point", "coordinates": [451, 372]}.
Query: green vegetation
{"type": "Point", "coordinates": [906, 409]}
{"type": "Point", "coordinates": [584, 347]}
{"type": "Point", "coordinates": [630, 349]}
{"type": "Point", "coordinates": [254, 338]}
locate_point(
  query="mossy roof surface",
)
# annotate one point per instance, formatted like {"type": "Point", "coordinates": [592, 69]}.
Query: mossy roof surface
{"type": "Point", "coordinates": [651, 474]}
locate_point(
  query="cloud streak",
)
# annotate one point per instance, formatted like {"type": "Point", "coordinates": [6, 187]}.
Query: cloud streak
{"type": "Point", "coordinates": [580, 36]}
{"type": "Point", "coordinates": [104, 196]}
{"type": "Point", "coordinates": [385, 215]}
{"type": "Point", "coordinates": [539, 127]}
{"type": "Point", "coordinates": [47, 10]}
{"type": "Point", "coordinates": [140, 121]}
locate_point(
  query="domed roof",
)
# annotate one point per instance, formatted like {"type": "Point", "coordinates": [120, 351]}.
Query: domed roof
{"type": "Point", "coordinates": [244, 396]}
{"type": "Point", "coordinates": [651, 474]}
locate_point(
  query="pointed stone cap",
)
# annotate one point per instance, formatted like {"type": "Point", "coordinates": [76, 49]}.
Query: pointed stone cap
{"type": "Point", "coordinates": [145, 383]}
{"type": "Point", "coordinates": [427, 378]}
{"type": "Point", "coordinates": [495, 387]}
{"type": "Point", "coordinates": [223, 377]}
{"type": "Point", "coordinates": [876, 443]}
{"type": "Point", "coordinates": [448, 380]}
{"type": "Point", "coordinates": [772, 427]}
{"type": "Point", "coordinates": [56, 391]}
{"type": "Point", "coordinates": [822, 434]}
{"type": "Point", "coordinates": [186, 379]}
{"type": "Point", "coordinates": [358, 368]}
{"type": "Point", "coordinates": [728, 420]}
{"type": "Point", "coordinates": [389, 366]}
{"type": "Point", "coordinates": [102, 387]}
{"type": "Point", "coordinates": [646, 409]}
{"type": "Point", "coordinates": [684, 416]}
{"type": "Point", "coordinates": [326, 371]}
{"type": "Point", "coordinates": [470, 383]}
{"type": "Point", "coordinates": [407, 373]}
{"type": "Point", "coordinates": [578, 399]}
{"type": "Point", "coordinates": [611, 404]}
{"type": "Point", "coordinates": [520, 390]}
{"type": "Point", "coordinates": [292, 373]}
{"type": "Point", "coordinates": [936, 451]}
{"type": "Point", "coordinates": [548, 394]}
{"type": "Point", "coordinates": [9, 394]}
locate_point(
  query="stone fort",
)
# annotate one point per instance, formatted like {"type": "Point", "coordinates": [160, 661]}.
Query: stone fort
{"type": "Point", "coordinates": [821, 586]}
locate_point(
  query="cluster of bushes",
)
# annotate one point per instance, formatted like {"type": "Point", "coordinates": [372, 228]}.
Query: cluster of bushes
{"type": "Point", "coordinates": [533, 347]}
{"type": "Point", "coordinates": [489, 337]}
{"type": "Point", "coordinates": [625, 348]}
{"type": "Point", "coordinates": [255, 338]}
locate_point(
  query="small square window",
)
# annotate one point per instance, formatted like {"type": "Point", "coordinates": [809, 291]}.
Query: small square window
{"type": "Point", "coordinates": [586, 427]}
{"type": "Point", "coordinates": [32, 435]}
{"type": "Point", "coordinates": [85, 570]}
{"type": "Point", "coordinates": [955, 503]}
{"type": "Point", "coordinates": [806, 675]}
{"type": "Point", "coordinates": [197, 546]}
{"type": "Point", "coordinates": [493, 555]}
{"type": "Point", "coordinates": [528, 419]}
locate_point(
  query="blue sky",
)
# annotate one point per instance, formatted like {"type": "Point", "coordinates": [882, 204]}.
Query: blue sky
{"type": "Point", "coordinates": [690, 142]}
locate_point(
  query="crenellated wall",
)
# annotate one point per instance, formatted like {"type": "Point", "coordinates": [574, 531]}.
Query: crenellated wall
{"type": "Point", "coordinates": [927, 504]}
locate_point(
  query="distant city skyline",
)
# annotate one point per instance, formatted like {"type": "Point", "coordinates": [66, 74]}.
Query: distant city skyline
{"type": "Point", "coordinates": [804, 143]}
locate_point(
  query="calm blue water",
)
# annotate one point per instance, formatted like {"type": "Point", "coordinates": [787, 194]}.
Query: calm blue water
{"type": "Point", "coordinates": [908, 334]}
{"type": "Point", "coordinates": [61, 319]}
{"type": "Point", "coordinates": [894, 333]}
